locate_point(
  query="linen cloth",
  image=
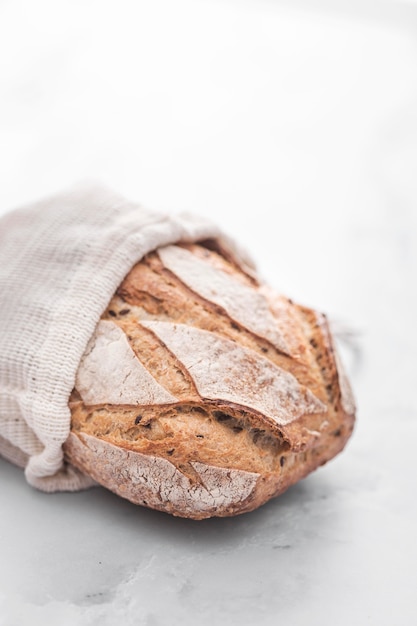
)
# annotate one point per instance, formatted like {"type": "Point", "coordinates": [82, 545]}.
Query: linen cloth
{"type": "Point", "coordinates": [61, 260]}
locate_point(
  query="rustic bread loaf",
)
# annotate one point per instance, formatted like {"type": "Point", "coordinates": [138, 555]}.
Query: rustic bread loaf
{"type": "Point", "coordinates": [203, 393]}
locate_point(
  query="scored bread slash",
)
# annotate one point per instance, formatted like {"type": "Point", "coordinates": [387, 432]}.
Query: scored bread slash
{"type": "Point", "coordinates": [346, 393]}
{"type": "Point", "coordinates": [110, 373]}
{"type": "Point", "coordinates": [243, 303]}
{"type": "Point", "coordinates": [154, 481]}
{"type": "Point", "coordinates": [202, 392]}
{"type": "Point", "coordinates": [223, 370]}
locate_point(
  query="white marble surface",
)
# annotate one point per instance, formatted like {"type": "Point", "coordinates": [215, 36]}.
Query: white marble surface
{"type": "Point", "coordinates": [293, 125]}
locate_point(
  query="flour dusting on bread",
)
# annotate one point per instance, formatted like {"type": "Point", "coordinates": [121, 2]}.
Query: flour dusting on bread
{"type": "Point", "coordinates": [110, 373]}
{"type": "Point", "coordinates": [202, 392]}
{"type": "Point", "coordinates": [155, 481]}
{"type": "Point", "coordinates": [223, 370]}
{"type": "Point", "coordinates": [243, 303]}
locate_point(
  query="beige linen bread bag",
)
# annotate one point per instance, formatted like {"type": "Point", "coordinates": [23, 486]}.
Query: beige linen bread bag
{"type": "Point", "coordinates": [141, 351]}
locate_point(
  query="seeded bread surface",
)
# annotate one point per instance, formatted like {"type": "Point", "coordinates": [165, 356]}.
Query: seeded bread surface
{"type": "Point", "coordinates": [203, 393]}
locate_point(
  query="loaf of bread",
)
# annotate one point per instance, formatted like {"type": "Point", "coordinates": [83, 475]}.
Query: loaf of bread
{"type": "Point", "coordinates": [202, 392]}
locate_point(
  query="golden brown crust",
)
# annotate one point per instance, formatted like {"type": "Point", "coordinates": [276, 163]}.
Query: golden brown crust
{"type": "Point", "coordinates": [224, 452]}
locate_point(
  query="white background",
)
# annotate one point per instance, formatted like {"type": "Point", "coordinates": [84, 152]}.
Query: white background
{"type": "Point", "coordinates": [294, 126]}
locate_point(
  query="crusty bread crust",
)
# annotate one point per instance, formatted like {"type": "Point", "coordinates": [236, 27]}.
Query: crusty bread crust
{"type": "Point", "coordinates": [203, 393]}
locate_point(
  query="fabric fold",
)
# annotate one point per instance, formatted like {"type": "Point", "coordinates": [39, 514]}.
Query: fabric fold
{"type": "Point", "coordinates": [61, 260]}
